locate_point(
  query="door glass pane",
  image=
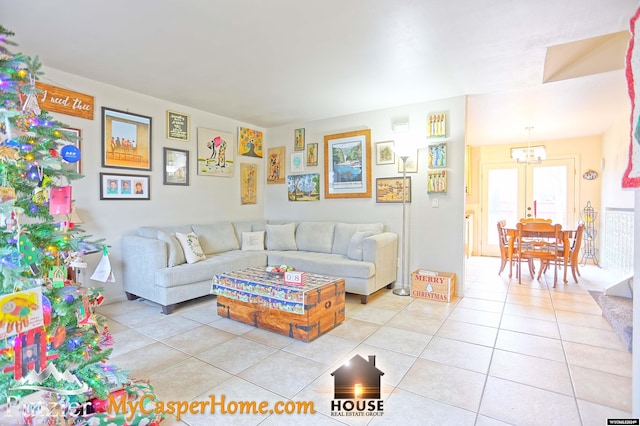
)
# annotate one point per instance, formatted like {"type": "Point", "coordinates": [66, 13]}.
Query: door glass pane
{"type": "Point", "coordinates": [502, 199]}
{"type": "Point", "coordinates": [550, 192]}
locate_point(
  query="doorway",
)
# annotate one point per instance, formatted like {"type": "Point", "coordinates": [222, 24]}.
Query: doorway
{"type": "Point", "coordinates": [511, 191]}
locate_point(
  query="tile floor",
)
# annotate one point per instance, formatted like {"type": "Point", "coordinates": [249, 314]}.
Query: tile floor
{"type": "Point", "coordinates": [504, 354]}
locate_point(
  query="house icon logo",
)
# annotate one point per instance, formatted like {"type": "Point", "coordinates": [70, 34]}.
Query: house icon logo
{"type": "Point", "coordinates": [357, 388]}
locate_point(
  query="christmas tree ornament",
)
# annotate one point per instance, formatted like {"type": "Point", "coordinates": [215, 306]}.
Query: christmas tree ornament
{"type": "Point", "coordinates": [31, 103]}
{"type": "Point", "coordinates": [24, 121]}
{"type": "Point", "coordinates": [30, 254]}
{"type": "Point", "coordinates": [70, 153]}
{"type": "Point", "coordinates": [60, 200]}
{"type": "Point", "coordinates": [10, 222]}
{"type": "Point", "coordinates": [58, 337]}
{"type": "Point", "coordinates": [21, 311]}
{"type": "Point", "coordinates": [9, 155]}
{"type": "Point", "coordinates": [7, 193]}
{"type": "Point", "coordinates": [103, 271]}
{"type": "Point", "coordinates": [57, 275]}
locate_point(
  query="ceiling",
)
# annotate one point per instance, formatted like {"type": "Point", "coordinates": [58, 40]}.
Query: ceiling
{"type": "Point", "coordinates": [277, 62]}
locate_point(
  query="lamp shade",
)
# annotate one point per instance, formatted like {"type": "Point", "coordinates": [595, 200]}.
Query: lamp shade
{"type": "Point", "coordinates": [405, 145]}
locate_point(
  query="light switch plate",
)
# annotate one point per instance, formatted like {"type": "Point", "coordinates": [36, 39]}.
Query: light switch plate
{"type": "Point", "coordinates": [435, 203]}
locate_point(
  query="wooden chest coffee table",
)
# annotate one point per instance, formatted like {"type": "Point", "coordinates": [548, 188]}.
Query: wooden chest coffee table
{"type": "Point", "coordinates": [255, 297]}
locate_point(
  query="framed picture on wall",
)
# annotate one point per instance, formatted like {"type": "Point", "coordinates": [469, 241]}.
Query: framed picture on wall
{"type": "Point", "coordinates": [249, 142]}
{"type": "Point", "coordinates": [347, 165]}
{"type": "Point", "coordinates": [297, 162]}
{"type": "Point", "coordinates": [312, 154]}
{"type": "Point", "coordinates": [248, 183]}
{"type": "Point", "coordinates": [412, 164]}
{"type": "Point", "coordinates": [176, 167]}
{"type": "Point", "coordinates": [385, 153]}
{"type": "Point", "coordinates": [438, 156]}
{"type": "Point", "coordinates": [73, 137]}
{"type": "Point", "coordinates": [437, 182]}
{"type": "Point", "coordinates": [389, 190]}
{"type": "Point", "coordinates": [126, 140]}
{"type": "Point", "coordinates": [177, 126]}
{"type": "Point", "coordinates": [215, 152]}
{"type": "Point", "coordinates": [124, 187]}
{"type": "Point", "coordinates": [298, 140]}
{"type": "Point", "coordinates": [276, 165]}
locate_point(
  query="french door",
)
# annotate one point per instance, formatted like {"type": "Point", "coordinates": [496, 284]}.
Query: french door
{"type": "Point", "coordinates": [511, 191]}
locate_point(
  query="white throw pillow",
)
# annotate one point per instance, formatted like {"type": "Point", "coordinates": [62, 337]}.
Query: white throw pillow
{"type": "Point", "coordinates": [191, 247]}
{"type": "Point", "coordinates": [253, 240]}
{"type": "Point", "coordinates": [281, 237]}
{"type": "Point", "coordinates": [354, 251]}
{"type": "Point", "coordinates": [176, 254]}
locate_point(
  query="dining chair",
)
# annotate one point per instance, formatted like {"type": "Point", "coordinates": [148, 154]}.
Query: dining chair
{"type": "Point", "coordinates": [503, 238]}
{"type": "Point", "coordinates": [503, 242]}
{"type": "Point", "coordinates": [574, 252]}
{"type": "Point", "coordinates": [539, 240]}
{"type": "Point", "coordinates": [574, 237]}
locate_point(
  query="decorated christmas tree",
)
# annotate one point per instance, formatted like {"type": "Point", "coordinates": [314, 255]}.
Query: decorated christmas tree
{"type": "Point", "coordinates": [51, 341]}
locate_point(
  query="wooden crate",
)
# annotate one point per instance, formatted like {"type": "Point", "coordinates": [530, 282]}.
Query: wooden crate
{"type": "Point", "coordinates": [433, 285]}
{"type": "Point", "coordinates": [323, 310]}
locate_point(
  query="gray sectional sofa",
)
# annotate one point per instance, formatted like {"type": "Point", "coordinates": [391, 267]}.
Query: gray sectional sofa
{"type": "Point", "coordinates": [156, 268]}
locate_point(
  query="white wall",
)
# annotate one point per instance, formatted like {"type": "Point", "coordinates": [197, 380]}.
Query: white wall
{"type": "Point", "coordinates": [206, 199]}
{"type": "Point", "coordinates": [615, 154]}
{"type": "Point", "coordinates": [436, 234]}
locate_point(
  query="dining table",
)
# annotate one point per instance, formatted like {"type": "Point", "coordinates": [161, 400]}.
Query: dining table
{"type": "Point", "coordinates": [566, 235]}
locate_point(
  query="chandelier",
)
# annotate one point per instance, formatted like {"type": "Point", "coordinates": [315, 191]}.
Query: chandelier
{"type": "Point", "coordinates": [530, 154]}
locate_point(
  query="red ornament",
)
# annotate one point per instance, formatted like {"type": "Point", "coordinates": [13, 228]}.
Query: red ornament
{"type": "Point", "coordinates": [53, 153]}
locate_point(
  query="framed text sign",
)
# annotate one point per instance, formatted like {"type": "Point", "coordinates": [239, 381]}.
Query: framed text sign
{"type": "Point", "coordinates": [57, 99]}
{"type": "Point", "coordinates": [177, 126]}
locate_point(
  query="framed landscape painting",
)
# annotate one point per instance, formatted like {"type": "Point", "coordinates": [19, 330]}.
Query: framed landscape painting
{"type": "Point", "coordinates": [347, 165]}
{"type": "Point", "coordinates": [304, 187]}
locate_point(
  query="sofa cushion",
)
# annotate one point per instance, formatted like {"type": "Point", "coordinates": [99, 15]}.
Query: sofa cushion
{"type": "Point", "coordinates": [247, 226]}
{"type": "Point", "coordinates": [344, 232]}
{"type": "Point", "coordinates": [152, 231]}
{"type": "Point", "coordinates": [185, 275]}
{"type": "Point", "coordinates": [281, 237]}
{"type": "Point", "coordinates": [191, 247]}
{"type": "Point", "coordinates": [253, 240]}
{"type": "Point", "coordinates": [315, 236]}
{"type": "Point", "coordinates": [323, 263]}
{"type": "Point", "coordinates": [176, 254]}
{"type": "Point", "coordinates": [216, 237]}
{"type": "Point", "coordinates": [354, 251]}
